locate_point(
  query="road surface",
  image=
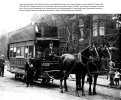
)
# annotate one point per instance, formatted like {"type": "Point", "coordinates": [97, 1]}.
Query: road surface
{"type": "Point", "coordinates": [15, 89]}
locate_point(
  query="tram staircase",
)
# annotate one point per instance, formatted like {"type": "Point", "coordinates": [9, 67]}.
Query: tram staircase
{"type": "Point", "coordinates": [63, 50]}
{"type": "Point", "coordinates": [55, 73]}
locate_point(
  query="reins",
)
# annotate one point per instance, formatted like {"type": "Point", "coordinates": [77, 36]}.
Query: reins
{"type": "Point", "coordinates": [63, 76]}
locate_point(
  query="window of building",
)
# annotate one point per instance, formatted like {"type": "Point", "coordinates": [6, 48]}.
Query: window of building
{"type": "Point", "coordinates": [95, 29]}
{"type": "Point", "coordinates": [102, 29]}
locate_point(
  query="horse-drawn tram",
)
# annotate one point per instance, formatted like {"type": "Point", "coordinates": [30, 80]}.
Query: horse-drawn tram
{"type": "Point", "coordinates": [52, 56]}
{"type": "Point", "coordinates": [44, 47]}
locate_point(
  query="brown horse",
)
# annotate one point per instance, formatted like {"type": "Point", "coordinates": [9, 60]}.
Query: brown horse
{"type": "Point", "coordinates": [90, 58]}
{"type": "Point", "coordinates": [95, 64]}
{"type": "Point", "coordinates": [70, 65]}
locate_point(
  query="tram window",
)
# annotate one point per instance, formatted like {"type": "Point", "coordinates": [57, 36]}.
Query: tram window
{"type": "Point", "coordinates": [25, 51]}
{"type": "Point", "coordinates": [14, 52]}
{"type": "Point", "coordinates": [22, 51]}
{"type": "Point", "coordinates": [28, 50]}
{"type": "Point", "coordinates": [11, 51]}
{"type": "Point", "coordinates": [18, 53]}
{"type": "Point", "coordinates": [31, 50]}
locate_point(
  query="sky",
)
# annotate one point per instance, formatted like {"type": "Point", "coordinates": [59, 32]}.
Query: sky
{"type": "Point", "coordinates": [11, 18]}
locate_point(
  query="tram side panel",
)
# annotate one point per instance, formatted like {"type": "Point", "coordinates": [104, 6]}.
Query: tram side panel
{"type": "Point", "coordinates": [18, 56]}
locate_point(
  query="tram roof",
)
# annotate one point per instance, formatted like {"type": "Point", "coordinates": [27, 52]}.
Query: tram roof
{"type": "Point", "coordinates": [24, 34]}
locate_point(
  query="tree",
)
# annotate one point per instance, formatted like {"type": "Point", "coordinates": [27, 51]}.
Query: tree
{"type": "Point", "coordinates": [3, 45]}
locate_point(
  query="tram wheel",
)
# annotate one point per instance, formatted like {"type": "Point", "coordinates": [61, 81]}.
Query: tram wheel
{"type": "Point", "coordinates": [15, 76]}
{"type": "Point", "coordinates": [48, 80]}
{"type": "Point", "coordinates": [44, 80]}
{"type": "Point", "coordinates": [24, 77]}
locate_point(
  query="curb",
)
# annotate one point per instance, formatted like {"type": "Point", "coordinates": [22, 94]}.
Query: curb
{"type": "Point", "coordinates": [100, 84]}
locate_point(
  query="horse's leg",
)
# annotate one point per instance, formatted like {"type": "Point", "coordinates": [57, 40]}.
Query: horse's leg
{"type": "Point", "coordinates": [65, 84]}
{"type": "Point", "coordinates": [95, 82]}
{"type": "Point", "coordinates": [79, 82]}
{"type": "Point", "coordinates": [77, 85]}
{"type": "Point", "coordinates": [90, 83]}
{"type": "Point", "coordinates": [83, 79]}
{"type": "Point", "coordinates": [80, 85]}
{"type": "Point", "coordinates": [61, 85]}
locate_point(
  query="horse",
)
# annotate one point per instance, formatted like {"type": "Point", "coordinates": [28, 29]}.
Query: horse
{"type": "Point", "coordinates": [94, 64]}
{"type": "Point", "coordinates": [90, 57]}
{"type": "Point", "coordinates": [70, 65]}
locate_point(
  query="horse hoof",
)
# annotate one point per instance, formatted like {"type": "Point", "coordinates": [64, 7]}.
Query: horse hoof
{"type": "Point", "coordinates": [77, 94]}
{"type": "Point", "coordinates": [80, 89]}
{"type": "Point", "coordinates": [83, 94]}
{"type": "Point", "coordinates": [61, 91]}
{"type": "Point", "coordinates": [94, 93]}
{"type": "Point", "coordinates": [90, 93]}
{"type": "Point", "coordinates": [66, 90]}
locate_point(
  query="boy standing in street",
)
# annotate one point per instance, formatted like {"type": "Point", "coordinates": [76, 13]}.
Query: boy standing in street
{"type": "Point", "coordinates": [117, 77]}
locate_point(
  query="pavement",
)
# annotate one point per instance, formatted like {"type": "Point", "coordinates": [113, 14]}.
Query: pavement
{"type": "Point", "coordinates": [101, 80]}
{"type": "Point", "coordinates": [103, 92]}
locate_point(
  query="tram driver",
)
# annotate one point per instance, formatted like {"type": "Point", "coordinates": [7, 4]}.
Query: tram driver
{"type": "Point", "coordinates": [49, 53]}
